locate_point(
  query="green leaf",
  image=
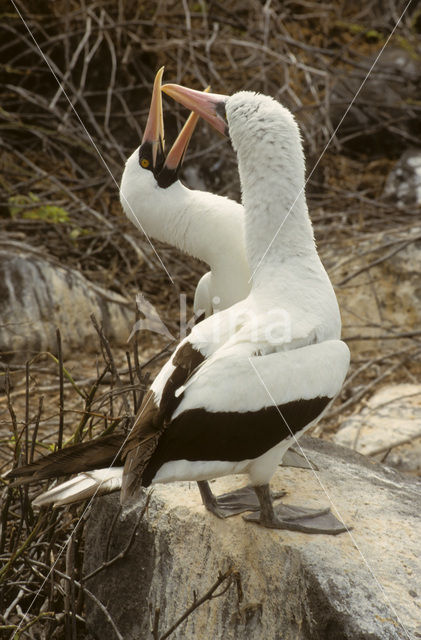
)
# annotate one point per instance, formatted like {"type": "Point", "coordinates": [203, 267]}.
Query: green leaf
{"type": "Point", "coordinates": [374, 34]}
{"type": "Point", "coordinates": [18, 207]}
{"type": "Point", "coordinates": [76, 232]}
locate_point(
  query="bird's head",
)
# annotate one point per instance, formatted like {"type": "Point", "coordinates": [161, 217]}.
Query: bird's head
{"type": "Point", "coordinates": [151, 156]}
{"type": "Point", "coordinates": [149, 172]}
{"type": "Point", "coordinates": [210, 106]}
{"type": "Point", "coordinates": [257, 124]}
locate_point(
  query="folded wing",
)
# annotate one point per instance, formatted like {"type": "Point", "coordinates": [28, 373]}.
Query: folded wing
{"type": "Point", "coordinates": [240, 407]}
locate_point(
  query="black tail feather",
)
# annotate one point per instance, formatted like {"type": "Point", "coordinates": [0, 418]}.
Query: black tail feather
{"type": "Point", "coordinates": [85, 456]}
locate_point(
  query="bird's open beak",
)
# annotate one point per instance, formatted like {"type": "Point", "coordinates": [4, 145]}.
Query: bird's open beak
{"type": "Point", "coordinates": [210, 106]}
{"type": "Point", "coordinates": [154, 130]}
{"type": "Point", "coordinates": [177, 152]}
{"type": "Point", "coordinates": [175, 157]}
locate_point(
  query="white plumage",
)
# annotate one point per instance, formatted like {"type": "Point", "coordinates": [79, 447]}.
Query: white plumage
{"type": "Point", "coordinates": [201, 224]}
{"type": "Point", "coordinates": [248, 378]}
{"type": "Point", "coordinates": [206, 226]}
{"type": "Point", "coordinates": [291, 304]}
{"type": "Point", "coordinates": [83, 486]}
{"type": "Point", "coordinates": [285, 325]}
{"type": "Point", "coordinates": [255, 386]}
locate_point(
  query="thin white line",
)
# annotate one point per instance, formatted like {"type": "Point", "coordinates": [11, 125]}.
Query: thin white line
{"type": "Point", "coordinates": [60, 553]}
{"type": "Point", "coordinates": [157, 255]}
{"type": "Point", "coordinates": [385, 596]}
{"type": "Point", "coordinates": [331, 138]}
{"type": "Point", "coordinates": [91, 140]}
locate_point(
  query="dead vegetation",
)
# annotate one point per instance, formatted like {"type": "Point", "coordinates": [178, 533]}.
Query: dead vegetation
{"type": "Point", "coordinates": [76, 80]}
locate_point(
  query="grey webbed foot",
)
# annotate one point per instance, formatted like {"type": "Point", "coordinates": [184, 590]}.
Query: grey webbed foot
{"type": "Point", "coordinates": [294, 518]}
{"type": "Point", "coordinates": [232, 503]}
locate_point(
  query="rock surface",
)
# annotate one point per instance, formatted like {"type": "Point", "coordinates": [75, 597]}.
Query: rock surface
{"type": "Point", "coordinates": [391, 420]}
{"type": "Point", "coordinates": [38, 295]}
{"type": "Point", "coordinates": [360, 586]}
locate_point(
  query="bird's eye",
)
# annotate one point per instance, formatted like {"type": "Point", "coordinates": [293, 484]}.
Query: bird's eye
{"type": "Point", "coordinates": [144, 163]}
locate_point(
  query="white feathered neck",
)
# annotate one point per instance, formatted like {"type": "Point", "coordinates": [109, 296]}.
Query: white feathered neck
{"type": "Point", "coordinates": [271, 166]}
{"type": "Point", "coordinates": [204, 225]}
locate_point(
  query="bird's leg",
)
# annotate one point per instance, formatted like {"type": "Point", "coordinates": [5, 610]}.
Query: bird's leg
{"type": "Point", "coordinates": [293, 518]}
{"type": "Point", "coordinates": [232, 503]}
{"type": "Point", "coordinates": [208, 498]}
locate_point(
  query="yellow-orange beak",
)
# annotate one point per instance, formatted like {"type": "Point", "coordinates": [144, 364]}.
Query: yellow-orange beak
{"type": "Point", "coordinates": [210, 106]}
{"type": "Point", "coordinates": [177, 152]}
{"type": "Point", "coordinates": [154, 130]}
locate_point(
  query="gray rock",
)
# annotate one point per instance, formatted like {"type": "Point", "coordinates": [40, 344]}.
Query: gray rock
{"type": "Point", "coordinates": [359, 586]}
{"type": "Point", "coordinates": [390, 421]}
{"type": "Point", "coordinates": [37, 295]}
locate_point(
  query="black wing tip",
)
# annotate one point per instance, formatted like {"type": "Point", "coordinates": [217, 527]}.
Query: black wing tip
{"type": "Point", "coordinates": [130, 490]}
{"type": "Point", "coordinates": [24, 470]}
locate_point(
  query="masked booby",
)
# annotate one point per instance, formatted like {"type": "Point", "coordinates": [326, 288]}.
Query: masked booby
{"type": "Point", "coordinates": [247, 379]}
{"type": "Point", "coordinates": [217, 421]}
{"type": "Point", "coordinates": [204, 225]}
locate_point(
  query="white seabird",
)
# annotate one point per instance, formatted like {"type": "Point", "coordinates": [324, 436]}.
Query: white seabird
{"type": "Point", "coordinates": [202, 224]}
{"type": "Point", "coordinates": [248, 378]}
